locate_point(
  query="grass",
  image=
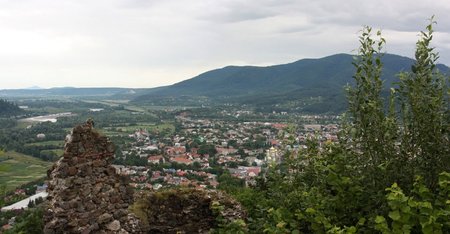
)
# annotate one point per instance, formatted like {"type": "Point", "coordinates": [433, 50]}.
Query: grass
{"type": "Point", "coordinates": [58, 152]}
{"type": "Point", "coordinates": [17, 169]}
{"type": "Point", "coordinates": [50, 110]}
{"type": "Point", "coordinates": [23, 124]}
{"type": "Point", "coordinates": [106, 102]}
{"type": "Point", "coordinates": [43, 143]}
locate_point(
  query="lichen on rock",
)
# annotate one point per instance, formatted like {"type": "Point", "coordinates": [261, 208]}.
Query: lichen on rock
{"type": "Point", "coordinates": [185, 210]}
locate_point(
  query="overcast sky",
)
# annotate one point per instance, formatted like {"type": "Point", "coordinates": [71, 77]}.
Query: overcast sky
{"type": "Point", "coordinates": [149, 43]}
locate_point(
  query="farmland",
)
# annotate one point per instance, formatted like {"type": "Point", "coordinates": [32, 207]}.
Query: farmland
{"type": "Point", "coordinates": [17, 169]}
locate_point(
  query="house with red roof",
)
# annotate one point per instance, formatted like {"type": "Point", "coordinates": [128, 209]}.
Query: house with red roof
{"type": "Point", "coordinates": [176, 150]}
{"type": "Point", "coordinates": [279, 126]}
{"type": "Point", "coordinates": [253, 171]}
{"type": "Point", "coordinates": [225, 151]}
{"type": "Point", "coordinates": [156, 159]}
{"type": "Point", "coordinates": [181, 159]}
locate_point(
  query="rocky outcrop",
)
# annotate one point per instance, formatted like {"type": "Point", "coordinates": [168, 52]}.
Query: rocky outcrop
{"type": "Point", "coordinates": [186, 210]}
{"type": "Point", "coordinates": [85, 194]}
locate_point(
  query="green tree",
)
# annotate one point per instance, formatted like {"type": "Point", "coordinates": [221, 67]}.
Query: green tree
{"type": "Point", "coordinates": [229, 183]}
{"type": "Point", "coordinates": [341, 188]}
{"type": "Point", "coordinates": [424, 113]}
{"type": "Point", "coordinates": [207, 149]}
{"type": "Point", "coordinates": [370, 131]}
{"type": "Point", "coordinates": [29, 223]}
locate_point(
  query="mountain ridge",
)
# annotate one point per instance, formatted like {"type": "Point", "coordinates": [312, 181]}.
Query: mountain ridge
{"type": "Point", "coordinates": [314, 85]}
{"type": "Point", "coordinates": [277, 84]}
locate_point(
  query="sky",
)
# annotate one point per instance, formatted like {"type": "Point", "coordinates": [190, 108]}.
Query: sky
{"type": "Point", "coordinates": [151, 43]}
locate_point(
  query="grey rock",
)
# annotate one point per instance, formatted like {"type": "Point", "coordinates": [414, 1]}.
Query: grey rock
{"type": "Point", "coordinates": [113, 226]}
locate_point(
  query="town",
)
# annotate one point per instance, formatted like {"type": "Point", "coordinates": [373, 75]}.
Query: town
{"type": "Point", "coordinates": [203, 149]}
{"type": "Point", "coordinates": [194, 148]}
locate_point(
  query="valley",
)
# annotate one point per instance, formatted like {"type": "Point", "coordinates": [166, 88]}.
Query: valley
{"type": "Point", "coordinates": [246, 144]}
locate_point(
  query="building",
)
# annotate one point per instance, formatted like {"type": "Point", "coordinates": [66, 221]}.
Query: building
{"type": "Point", "coordinates": [273, 156]}
{"type": "Point", "coordinates": [156, 159]}
{"type": "Point", "coordinates": [40, 136]}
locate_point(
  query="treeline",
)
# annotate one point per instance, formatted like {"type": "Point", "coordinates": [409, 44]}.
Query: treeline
{"type": "Point", "coordinates": [390, 172]}
{"type": "Point", "coordinates": [8, 108]}
{"type": "Point", "coordinates": [21, 140]}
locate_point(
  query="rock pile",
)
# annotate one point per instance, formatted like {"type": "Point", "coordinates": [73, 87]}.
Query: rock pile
{"type": "Point", "coordinates": [85, 194]}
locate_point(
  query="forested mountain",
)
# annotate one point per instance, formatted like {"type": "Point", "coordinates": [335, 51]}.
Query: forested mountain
{"type": "Point", "coordinates": [307, 85]}
{"type": "Point", "coordinates": [8, 108]}
{"type": "Point", "coordinates": [312, 85]}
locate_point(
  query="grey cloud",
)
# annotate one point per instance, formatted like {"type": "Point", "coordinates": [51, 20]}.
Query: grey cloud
{"type": "Point", "coordinates": [236, 12]}
{"type": "Point", "coordinates": [399, 15]}
{"type": "Point", "coordinates": [150, 43]}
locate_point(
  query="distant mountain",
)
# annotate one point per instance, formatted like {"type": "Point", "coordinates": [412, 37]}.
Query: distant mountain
{"type": "Point", "coordinates": [309, 85]}
{"type": "Point", "coordinates": [73, 92]}
{"type": "Point", "coordinates": [34, 87]}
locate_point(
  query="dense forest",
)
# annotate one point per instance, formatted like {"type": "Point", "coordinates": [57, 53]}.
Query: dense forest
{"type": "Point", "coordinates": [8, 109]}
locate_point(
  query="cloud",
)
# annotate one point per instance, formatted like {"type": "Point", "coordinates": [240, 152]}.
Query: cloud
{"type": "Point", "coordinates": [147, 43]}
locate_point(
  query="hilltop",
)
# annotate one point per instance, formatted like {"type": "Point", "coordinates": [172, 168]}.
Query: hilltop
{"type": "Point", "coordinates": [310, 85]}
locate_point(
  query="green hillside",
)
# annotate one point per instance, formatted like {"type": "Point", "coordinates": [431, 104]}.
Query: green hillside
{"type": "Point", "coordinates": [310, 85]}
{"type": "Point", "coordinates": [17, 169]}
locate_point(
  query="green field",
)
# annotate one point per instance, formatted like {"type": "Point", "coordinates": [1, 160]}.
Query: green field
{"type": "Point", "coordinates": [107, 102]}
{"type": "Point", "coordinates": [43, 143]}
{"type": "Point", "coordinates": [17, 169]}
{"type": "Point", "coordinates": [58, 152]}
{"type": "Point", "coordinates": [22, 124]}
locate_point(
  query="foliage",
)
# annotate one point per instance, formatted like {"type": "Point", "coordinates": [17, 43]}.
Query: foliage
{"type": "Point", "coordinates": [229, 183]}
{"type": "Point", "coordinates": [425, 115]}
{"type": "Point", "coordinates": [131, 160]}
{"type": "Point", "coordinates": [7, 123]}
{"type": "Point", "coordinates": [29, 223]}
{"type": "Point", "coordinates": [209, 149]}
{"type": "Point", "coordinates": [421, 211]}
{"type": "Point", "coordinates": [341, 188]}
{"type": "Point", "coordinates": [237, 226]}
{"type": "Point", "coordinates": [8, 109]}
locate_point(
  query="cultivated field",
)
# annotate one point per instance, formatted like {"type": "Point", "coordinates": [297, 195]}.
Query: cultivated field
{"type": "Point", "coordinates": [17, 169]}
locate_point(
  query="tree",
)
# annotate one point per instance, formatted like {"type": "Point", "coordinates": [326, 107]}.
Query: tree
{"type": "Point", "coordinates": [207, 149]}
{"type": "Point", "coordinates": [424, 113]}
{"type": "Point", "coordinates": [370, 133]}
{"type": "Point", "coordinates": [9, 109]}
{"type": "Point", "coordinates": [31, 204]}
{"type": "Point", "coordinates": [366, 183]}
{"type": "Point", "coordinates": [229, 183]}
{"type": "Point", "coordinates": [31, 222]}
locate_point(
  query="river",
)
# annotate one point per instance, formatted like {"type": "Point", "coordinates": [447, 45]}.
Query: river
{"type": "Point", "coordinates": [44, 118]}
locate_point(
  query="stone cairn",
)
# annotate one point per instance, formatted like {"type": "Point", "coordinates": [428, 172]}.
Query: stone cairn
{"type": "Point", "coordinates": [85, 194]}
